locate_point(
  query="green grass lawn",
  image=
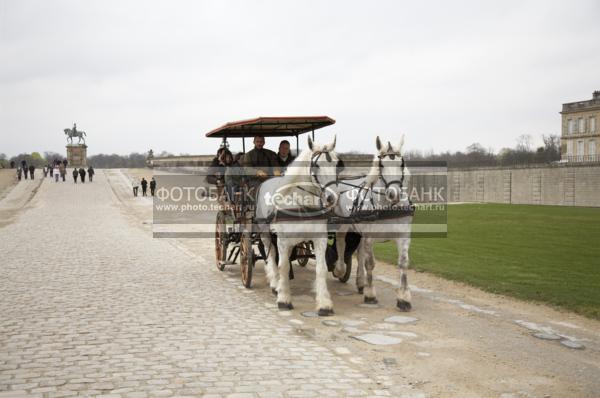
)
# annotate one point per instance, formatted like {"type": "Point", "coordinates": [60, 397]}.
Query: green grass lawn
{"type": "Point", "coordinates": [549, 254]}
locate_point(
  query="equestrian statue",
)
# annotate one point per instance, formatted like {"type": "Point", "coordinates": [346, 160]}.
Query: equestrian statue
{"type": "Point", "coordinates": [70, 133]}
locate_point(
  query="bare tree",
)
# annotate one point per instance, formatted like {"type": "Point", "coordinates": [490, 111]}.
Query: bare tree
{"type": "Point", "coordinates": [524, 143]}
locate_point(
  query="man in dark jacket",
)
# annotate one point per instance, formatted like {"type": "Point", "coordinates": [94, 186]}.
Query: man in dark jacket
{"type": "Point", "coordinates": [152, 186]}
{"type": "Point", "coordinates": [284, 157]}
{"type": "Point", "coordinates": [260, 163]}
{"type": "Point", "coordinates": [144, 186]}
{"type": "Point", "coordinates": [31, 170]}
{"type": "Point", "coordinates": [82, 175]}
{"type": "Point", "coordinates": [91, 173]}
{"type": "Point", "coordinates": [75, 174]}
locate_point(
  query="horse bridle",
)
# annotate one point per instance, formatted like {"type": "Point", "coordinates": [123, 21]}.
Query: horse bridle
{"type": "Point", "coordinates": [387, 183]}
{"type": "Point", "coordinates": [313, 165]}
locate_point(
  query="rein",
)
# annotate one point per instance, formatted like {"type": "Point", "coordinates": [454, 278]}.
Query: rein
{"type": "Point", "coordinates": [358, 203]}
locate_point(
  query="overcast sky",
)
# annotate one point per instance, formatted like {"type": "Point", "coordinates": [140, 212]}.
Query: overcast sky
{"type": "Point", "coordinates": [139, 74]}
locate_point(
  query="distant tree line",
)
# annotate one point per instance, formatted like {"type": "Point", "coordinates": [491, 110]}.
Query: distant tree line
{"type": "Point", "coordinates": [476, 155]}
{"type": "Point", "coordinates": [103, 161]}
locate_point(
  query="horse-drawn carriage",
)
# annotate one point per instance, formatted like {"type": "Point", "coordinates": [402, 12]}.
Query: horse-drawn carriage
{"type": "Point", "coordinates": [342, 214]}
{"type": "Point", "coordinates": [236, 235]}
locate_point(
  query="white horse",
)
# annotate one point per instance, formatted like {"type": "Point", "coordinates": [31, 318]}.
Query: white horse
{"type": "Point", "coordinates": [381, 188]}
{"type": "Point", "coordinates": [294, 208]}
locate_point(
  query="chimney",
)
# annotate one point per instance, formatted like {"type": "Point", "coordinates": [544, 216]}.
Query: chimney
{"type": "Point", "coordinates": [596, 94]}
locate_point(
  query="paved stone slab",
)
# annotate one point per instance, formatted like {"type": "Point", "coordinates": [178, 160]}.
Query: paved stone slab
{"type": "Point", "coordinates": [403, 334]}
{"type": "Point", "coordinates": [546, 336]}
{"type": "Point", "coordinates": [310, 314]}
{"type": "Point", "coordinates": [352, 322]}
{"type": "Point", "coordinates": [378, 339]}
{"type": "Point", "coordinates": [572, 344]}
{"type": "Point", "coordinates": [401, 319]}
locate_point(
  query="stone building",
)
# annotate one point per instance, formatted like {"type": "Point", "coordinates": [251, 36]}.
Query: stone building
{"type": "Point", "coordinates": [580, 138]}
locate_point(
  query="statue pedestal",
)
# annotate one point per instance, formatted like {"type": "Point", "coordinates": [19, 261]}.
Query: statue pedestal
{"type": "Point", "coordinates": [77, 155]}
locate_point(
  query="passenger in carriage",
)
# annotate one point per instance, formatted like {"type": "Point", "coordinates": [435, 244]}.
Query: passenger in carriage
{"type": "Point", "coordinates": [216, 170]}
{"type": "Point", "coordinates": [233, 175]}
{"type": "Point", "coordinates": [284, 157]}
{"type": "Point", "coordinates": [260, 163]}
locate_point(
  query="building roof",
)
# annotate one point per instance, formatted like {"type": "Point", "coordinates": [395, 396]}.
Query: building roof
{"type": "Point", "coordinates": [582, 106]}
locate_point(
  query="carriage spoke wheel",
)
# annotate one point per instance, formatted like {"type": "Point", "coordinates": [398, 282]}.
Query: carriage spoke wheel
{"type": "Point", "coordinates": [221, 241]}
{"type": "Point", "coordinates": [246, 259]}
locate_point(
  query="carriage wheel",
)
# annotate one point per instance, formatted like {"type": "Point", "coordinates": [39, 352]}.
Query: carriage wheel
{"type": "Point", "coordinates": [246, 259]}
{"type": "Point", "coordinates": [303, 250]}
{"type": "Point", "coordinates": [221, 241]}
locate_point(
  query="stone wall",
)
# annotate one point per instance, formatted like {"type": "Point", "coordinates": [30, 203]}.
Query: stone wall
{"type": "Point", "coordinates": [543, 185]}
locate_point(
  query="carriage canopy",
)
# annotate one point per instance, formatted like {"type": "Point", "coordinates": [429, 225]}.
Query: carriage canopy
{"type": "Point", "coordinates": [279, 126]}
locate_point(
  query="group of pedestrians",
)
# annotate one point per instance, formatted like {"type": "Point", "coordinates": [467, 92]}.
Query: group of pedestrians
{"type": "Point", "coordinates": [56, 170]}
{"type": "Point", "coordinates": [25, 171]}
{"type": "Point", "coordinates": [135, 184]}
{"type": "Point", "coordinates": [81, 174]}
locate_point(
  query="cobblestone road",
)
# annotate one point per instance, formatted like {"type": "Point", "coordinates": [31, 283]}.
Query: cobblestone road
{"type": "Point", "coordinates": [95, 306]}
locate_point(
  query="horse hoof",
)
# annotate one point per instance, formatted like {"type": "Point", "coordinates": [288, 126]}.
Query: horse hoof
{"type": "Point", "coordinates": [371, 300]}
{"type": "Point", "coordinates": [403, 305]}
{"type": "Point", "coordinates": [285, 306]}
{"type": "Point", "coordinates": [274, 291]}
{"type": "Point", "coordinates": [360, 290]}
{"type": "Point", "coordinates": [325, 312]}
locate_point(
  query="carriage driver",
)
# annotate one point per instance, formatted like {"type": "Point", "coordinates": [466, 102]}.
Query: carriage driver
{"type": "Point", "coordinates": [260, 163]}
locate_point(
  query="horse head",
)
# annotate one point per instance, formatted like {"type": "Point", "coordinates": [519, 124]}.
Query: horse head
{"type": "Point", "coordinates": [324, 168]}
{"type": "Point", "coordinates": [315, 169]}
{"type": "Point", "coordinates": [390, 170]}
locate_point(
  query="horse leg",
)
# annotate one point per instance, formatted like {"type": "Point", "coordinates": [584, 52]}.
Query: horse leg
{"type": "Point", "coordinates": [360, 266]}
{"type": "Point", "coordinates": [284, 295]}
{"type": "Point", "coordinates": [403, 296]}
{"type": "Point", "coordinates": [369, 263]}
{"type": "Point", "coordinates": [270, 265]}
{"type": "Point", "coordinates": [324, 303]}
{"type": "Point", "coordinates": [340, 264]}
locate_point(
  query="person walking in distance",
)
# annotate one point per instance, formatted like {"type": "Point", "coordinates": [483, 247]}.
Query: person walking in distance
{"type": "Point", "coordinates": [24, 167]}
{"type": "Point", "coordinates": [144, 186]}
{"type": "Point", "coordinates": [152, 186]}
{"type": "Point", "coordinates": [82, 175]}
{"type": "Point", "coordinates": [62, 170]}
{"type": "Point", "coordinates": [75, 174]}
{"type": "Point", "coordinates": [56, 173]}
{"type": "Point", "coordinates": [19, 172]}
{"type": "Point", "coordinates": [135, 185]}
{"type": "Point", "coordinates": [91, 173]}
{"type": "Point", "coordinates": [31, 171]}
